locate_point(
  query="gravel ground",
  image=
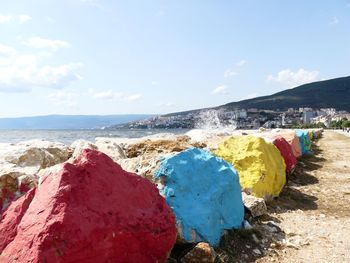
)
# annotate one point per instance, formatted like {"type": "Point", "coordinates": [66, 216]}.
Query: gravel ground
{"type": "Point", "coordinates": [314, 210]}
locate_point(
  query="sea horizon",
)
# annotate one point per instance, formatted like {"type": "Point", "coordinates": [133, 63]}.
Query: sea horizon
{"type": "Point", "coordinates": [67, 136]}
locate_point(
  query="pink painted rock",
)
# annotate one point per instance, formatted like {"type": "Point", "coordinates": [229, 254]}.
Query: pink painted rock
{"type": "Point", "coordinates": [90, 211]}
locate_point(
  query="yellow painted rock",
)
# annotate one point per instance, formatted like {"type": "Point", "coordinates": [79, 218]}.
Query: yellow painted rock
{"type": "Point", "coordinates": [311, 135]}
{"type": "Point", "coordinates": [260, 166]}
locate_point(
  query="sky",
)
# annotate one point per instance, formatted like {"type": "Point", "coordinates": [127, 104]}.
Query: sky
{"type": "Point", "coordinates": [153, 57]}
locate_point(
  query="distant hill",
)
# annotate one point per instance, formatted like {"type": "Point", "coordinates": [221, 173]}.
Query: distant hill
{"type": "Point", "coordinates": [333, 93]}
{"type": "Point", "coordinates": [69, 121]}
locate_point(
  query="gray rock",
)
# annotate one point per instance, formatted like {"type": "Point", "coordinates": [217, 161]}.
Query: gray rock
{"type": "Point", "coordinates": [110, 147]}
{"type": "Point", "coordinates": [143, 165]}
{"type": "Point", "coordinates": [21, 163]}
{"type": "Point", "coordinates": [36, 153]}
{"type": "Point", "coordinates": [202, 252]}
{"type": "Point", "coordinates": [80, 145]}
{"type": "Point", "coordinates": [255, 205]}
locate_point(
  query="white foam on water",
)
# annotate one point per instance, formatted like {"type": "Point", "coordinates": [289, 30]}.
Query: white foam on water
{"type": "Point", "coordinates": [210, 120]}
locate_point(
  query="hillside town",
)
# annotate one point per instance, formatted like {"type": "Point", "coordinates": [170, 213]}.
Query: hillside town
{"type": "Point", "coordinates": [245, 119]}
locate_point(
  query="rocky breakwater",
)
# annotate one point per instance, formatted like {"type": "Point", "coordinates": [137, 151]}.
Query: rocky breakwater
{"type": "Point", "coordinates": [20, 164]}
{"type": "Point", "coordinates": [261, 168]}
{"type": "Point", "coordinates": [89, 210]}
{"type": "Point", "coordinates": [91, 202]}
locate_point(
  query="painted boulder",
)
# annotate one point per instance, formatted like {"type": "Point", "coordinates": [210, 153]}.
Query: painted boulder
{"type": "Point", "coordinates": [310, 134]}
{"type": "Point", "coordinates": [204, 193]}
{"type": "Point", "coordinates": [293, 140]}
{"type": "Point", "coordinates": [304, 140]}
{"type": "Point", "coordinates": [318, 133]}
{"type": "Point", "coordinates": [283, 146]}
{"type": "Point", "coordinates": [260, 166]}
{"type": "Point", "coordinates": [91, 210]}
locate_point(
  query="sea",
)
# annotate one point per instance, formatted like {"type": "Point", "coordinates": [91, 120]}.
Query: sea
{"type": "Point", "coordinates": [69, 136]}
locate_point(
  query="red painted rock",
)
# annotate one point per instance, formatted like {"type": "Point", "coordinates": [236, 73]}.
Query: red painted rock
{"type": "Point", "coordinates": [284, 147]}
{"type": "Point", "coordinates": [12, 216]}
{"type": "Point", "coordinates": [292, 139]}
{"type": "Point", "coordinates": [91, 211]}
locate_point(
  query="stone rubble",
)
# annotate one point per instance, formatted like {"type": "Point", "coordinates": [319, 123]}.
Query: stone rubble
{"type": "Point", "coordinates": [202, 252]}
{"type": "Point", "coordinates": [256, 206]}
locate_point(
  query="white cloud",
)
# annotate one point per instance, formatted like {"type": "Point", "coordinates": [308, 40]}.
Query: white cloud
{"type": "Point", "coordinates": [229, 73]}
{"type": "Point", "coordinates": [106, 95]}
{"type": "Point", "coordinates": [133, 97]}
{"type": "Point", "coordinates": [334, 21]}
{"type": "Point", "coordinates": [167, 104]}
{"type": "Point", "coordinates": [44, 43]}
{"type": "Point", "coordinates": [62, 98]}
{"type": "Point", "coordinates": [22, 72]}
{"type": "Point", "coordinates": [293, 79]}
{"type": "Point", "coordinates": [7, 50]}
{"type": "Point", "coordinates": [23, 18]}
{"type": "Point", "coordinates": [241, 63]}
{"type": "Point", "coordinates": [112, 95]}
{"type": "Point", "coordinates": [220, 90]}
{"type": "Point", "coordinates": [58, 77]}
{"type": "Point", "coordinates": [5, 19]}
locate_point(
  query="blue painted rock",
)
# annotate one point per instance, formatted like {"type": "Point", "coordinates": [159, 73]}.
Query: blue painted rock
{"type": "Point", "coordinates": [304, 139]}
{"type": "Point", "coordinates": [204, 192]}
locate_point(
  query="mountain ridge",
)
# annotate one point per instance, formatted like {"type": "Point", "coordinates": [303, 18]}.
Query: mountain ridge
{"type": "Point", "coordinates": [332, 93]}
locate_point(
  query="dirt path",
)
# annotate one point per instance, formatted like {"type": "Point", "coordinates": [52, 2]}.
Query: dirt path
{"type": "Point", "coordinates": [310, 221]}
{"type": "Point", "coordinates": [314, 209]}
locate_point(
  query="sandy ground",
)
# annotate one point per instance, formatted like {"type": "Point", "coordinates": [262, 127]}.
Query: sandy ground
{"type": "Point", "coordinates": [310, 221]}
{"type": "Point", "coordinates": [343, 132]}
{"type": "Point", "coordinates": [314, 210]}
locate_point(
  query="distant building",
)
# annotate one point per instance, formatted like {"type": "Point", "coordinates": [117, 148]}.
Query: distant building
{"type": "Point", "coordinates": [283, 119]}
{"type": "Point", "coordinates": [308, 114]}
{"type": "Point", "coordinates": [329, 111]}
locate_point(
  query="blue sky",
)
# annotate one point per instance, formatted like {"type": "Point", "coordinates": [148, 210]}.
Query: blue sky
{"type": "Point", "coordinates": [118, 57]}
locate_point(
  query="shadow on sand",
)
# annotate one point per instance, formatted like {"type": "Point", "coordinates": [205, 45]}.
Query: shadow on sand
{"type": "Point", "coordinates": [291, 197]}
